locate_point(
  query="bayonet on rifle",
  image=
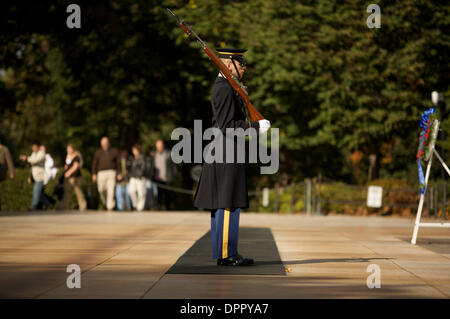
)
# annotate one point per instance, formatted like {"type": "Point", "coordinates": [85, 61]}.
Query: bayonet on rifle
{"type": "Point", "coordinates": [237, 85]}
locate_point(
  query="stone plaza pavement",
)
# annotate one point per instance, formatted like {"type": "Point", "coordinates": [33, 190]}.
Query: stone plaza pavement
{"type": "Point", "coordinates": [127, 255]}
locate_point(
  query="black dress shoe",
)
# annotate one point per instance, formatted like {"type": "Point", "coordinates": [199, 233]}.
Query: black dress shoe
{"type": "Point", "coordinates": [235, 260]}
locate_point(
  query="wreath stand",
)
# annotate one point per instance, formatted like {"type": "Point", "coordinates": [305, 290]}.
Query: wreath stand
{"type": "Point", "coordinates": [427, 175]}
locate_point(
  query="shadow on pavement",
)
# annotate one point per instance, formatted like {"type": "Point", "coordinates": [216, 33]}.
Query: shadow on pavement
{"type": "Point", "coordinates": [257, 243]}
{"type": "Point", "coordinates": [439, 245]}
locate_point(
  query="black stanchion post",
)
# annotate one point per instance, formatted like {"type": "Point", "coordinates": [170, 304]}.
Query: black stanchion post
{"type": "Point", "coordinates": [319, 206]}
{"type": "Point", "coordinates": [276, 198]}
{"type": "Point", "coordinates": [308, 196]}
{"type": "Point", "coordinates": [436, 200]}
{"type": "Point", "coordinates": [431, 196]}
{"type": "Point", "coordinates": [444, 198]}
{"type": "Point", "coordinates": [437, 98]}
{"type": "Point", "coordinates": [443, 172]}
{"type": "Point", "coordinates": [305, 193]}
{"type": "Point", "coordinates": [291, 206]}
{"type": "Point", "coordinates": [313, 189]}
{"type": "Point", "coordinates": [258, 198]}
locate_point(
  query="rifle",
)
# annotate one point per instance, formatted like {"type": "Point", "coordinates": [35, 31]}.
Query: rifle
{"type": "Point", "coordinates": [237, 85]}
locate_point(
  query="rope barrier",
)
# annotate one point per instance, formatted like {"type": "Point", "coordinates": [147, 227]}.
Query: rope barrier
{"type": "Point", "coordinates": [188, 191]}
{"type": "Point", "coordinates": [192, 192]}
{"type": "Point", "coordinates": [174, 189]}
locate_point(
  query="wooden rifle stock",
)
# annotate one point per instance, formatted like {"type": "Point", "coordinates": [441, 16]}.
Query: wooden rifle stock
{"type": "Point", "coordinates": [255, 116]}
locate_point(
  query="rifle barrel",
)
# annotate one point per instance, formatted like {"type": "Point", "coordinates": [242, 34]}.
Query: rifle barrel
{"type": "Point", "coordinates": [254, 114]}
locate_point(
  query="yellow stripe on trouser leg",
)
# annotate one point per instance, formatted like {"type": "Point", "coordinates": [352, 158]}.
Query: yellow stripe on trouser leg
{"type": "Point", "coordinates": [226, 223]}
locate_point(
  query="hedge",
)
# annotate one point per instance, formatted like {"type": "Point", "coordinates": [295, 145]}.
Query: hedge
{"type": "Point", "coordinates": [16, 194]}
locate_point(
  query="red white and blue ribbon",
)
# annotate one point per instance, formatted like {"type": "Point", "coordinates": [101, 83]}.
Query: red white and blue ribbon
{"type": "Point", "coordinates": [425, 124]}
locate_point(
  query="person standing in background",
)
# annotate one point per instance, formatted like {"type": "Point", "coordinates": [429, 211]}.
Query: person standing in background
{"type": "Point", "coordinates": [72, 179]}
{"type": "Point", "coordinates": [105, 170]}
{"type": "Point", "coordinates": [50, 169]}
{"type": "Point", "coordinates": [151, 199]}
{"type": "Point", "coordinates": [165, 171]}
{"type": "Point", "coordinates": [6, 165]}
{"type": "Point", "coordinates": [137, 179]}
{"type": "Point", "coordinates": [50, 172]}
{"type": "Point", "coordinates": [37, 162]}
{"type": "Point", "coordinates": [122, 186]}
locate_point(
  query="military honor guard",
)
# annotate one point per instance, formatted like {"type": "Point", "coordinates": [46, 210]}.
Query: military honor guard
{"type": "Point", "coordinates": [222, 187]}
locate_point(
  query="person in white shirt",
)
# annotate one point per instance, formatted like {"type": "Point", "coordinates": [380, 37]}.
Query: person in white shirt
{"type": "Point", "coordinates": [37, 162]}
{"type": "Point", "coordinates": [49, 166]}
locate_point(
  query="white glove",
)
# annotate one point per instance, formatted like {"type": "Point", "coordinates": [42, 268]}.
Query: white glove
{"type": "Point", "coordinates": [264, 126]}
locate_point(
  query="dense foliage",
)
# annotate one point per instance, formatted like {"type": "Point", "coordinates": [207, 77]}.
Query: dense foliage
{"type": "Point", "coordinates": [338, 90]}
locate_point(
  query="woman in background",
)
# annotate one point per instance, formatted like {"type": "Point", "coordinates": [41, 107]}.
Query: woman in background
{"type": "Point", "coordinates": [72, 178]}
{"type": "Point", "coordinates": [137, 179]}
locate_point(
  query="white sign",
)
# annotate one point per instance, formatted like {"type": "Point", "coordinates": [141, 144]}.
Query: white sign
{"type": "Point", "coordinates": [374, 196]}
{"type": "Point", "coordinates": [265, 197]}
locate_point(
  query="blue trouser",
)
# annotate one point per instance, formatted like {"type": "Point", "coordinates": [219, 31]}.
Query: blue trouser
{"type": "Point", "coordinates": [38, 195]}
{"type": "Point", "coordinates": [224, 232]}
{"type": "Point", "coordinates": [152, 191]}
{"type": "Point", "coordinates": [121, 193]}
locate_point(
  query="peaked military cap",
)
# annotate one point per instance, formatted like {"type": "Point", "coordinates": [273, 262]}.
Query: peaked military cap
{"type": "Point", "coordinates": [231, 53]}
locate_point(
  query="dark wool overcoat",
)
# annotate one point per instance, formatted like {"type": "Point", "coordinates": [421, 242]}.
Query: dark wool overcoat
{"type": "Point", "coordinates": [224, 185]}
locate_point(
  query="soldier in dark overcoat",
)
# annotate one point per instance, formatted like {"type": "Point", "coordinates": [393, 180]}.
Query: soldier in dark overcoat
{"type": "Point", "coordinates": [222, 187]}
